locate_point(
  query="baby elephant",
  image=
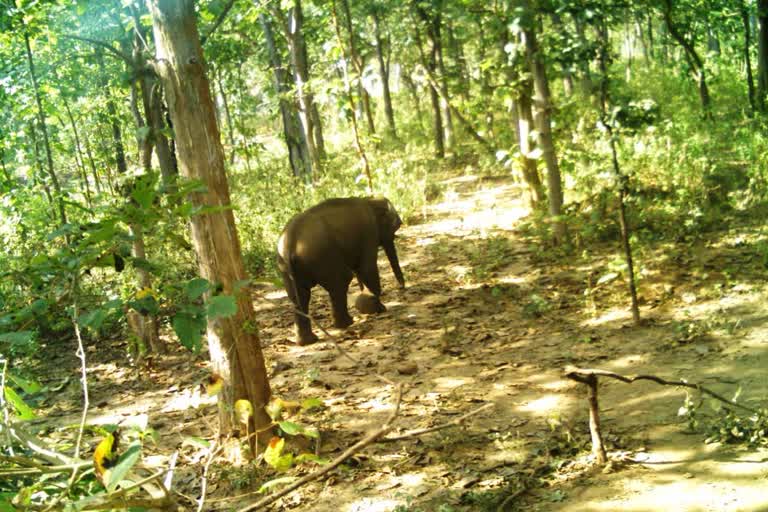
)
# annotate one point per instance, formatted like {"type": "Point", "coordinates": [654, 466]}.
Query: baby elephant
{"type": "Point", "coordinates": [328, 245]}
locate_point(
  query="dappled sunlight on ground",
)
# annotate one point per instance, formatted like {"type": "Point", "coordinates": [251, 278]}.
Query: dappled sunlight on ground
{"type": "Point", "coordinates": [487, 317]}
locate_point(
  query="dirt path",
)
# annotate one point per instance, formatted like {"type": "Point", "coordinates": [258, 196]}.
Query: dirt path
{"type": "Point", "coordinates": [486, 319]}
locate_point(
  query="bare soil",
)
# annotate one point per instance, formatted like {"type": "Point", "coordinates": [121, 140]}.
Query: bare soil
{"type": "Point", "coordinates": [490, 317]}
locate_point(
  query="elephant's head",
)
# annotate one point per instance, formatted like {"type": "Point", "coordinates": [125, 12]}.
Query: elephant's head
{"type": "Point", "coordinates": [389, 222]}
{"type": "Point", "coordinates": [386, 217]}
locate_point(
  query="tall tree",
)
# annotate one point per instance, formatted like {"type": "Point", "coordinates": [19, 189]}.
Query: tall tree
{"type": "Point", "coordinates": [295, 138]}
{"type": "Point", "coordinates": [543, 107]}
{"type": "Point", "coordinates": [376, 16]}
{"type": "Point", "coordinates": [762, 54]}
{"type": "Point", "coordinates": [233, 342]}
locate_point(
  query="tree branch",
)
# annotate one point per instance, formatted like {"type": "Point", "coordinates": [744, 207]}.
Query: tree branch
{"type": "Point", "coordinates": [101, 44]}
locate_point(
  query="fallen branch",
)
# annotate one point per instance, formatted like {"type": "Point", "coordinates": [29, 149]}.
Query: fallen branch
{"type": "Point", "coordinates": [589, 377]}
{"type": "Point", "coordinates": [419, 432]}
{"type": "Point", "coordinates": [370, 438]}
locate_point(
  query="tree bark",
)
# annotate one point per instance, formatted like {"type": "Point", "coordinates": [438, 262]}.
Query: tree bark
{"type": "Point", "coordinates": [431, 66]}
{"type": "Point", "coordinates": [293, 28]}
{"type": "Point", "coordinates": [697, 65]}
{"type": "Point", "coordinates": [114, 122]}
{"type": "Point", "coordinates": [747, 60]}
{"type": "Point", "coordinates": [233, 342]}
{"type": "Point", "coordinates": [762, 54]}
{"type": "Point", "coordinates": [44, 128]}
{"type": "Point", "coordinates": [384, 70]}
{"type": "Point", "coordinates": [295, 140]}
{"type": "Point", "coordinates": [542, 102]}
{"type": "Point", "coordinates": [348, 86]}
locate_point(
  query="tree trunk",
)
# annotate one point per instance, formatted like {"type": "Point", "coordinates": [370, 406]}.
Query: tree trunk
{"type": "Point", "coordinates": [697, 65]}
{"type": "Point", "coordinates": [348, 86]}
{"type": "Point", "coordinates": [384, 70]}
{"type": "Point", "coordinates": [40, 173]}
{"type": "Point", "coordinates": [587, 87]}
{"type": "Point", "coordinates": [233, 342]}
{"type": "Point", "coordinates": [293, 28]}
{"type": "Point", "coordinates": [762, 54]}
{"type": "Point", "coordinates": [414, 92]}
{"type": "Point", "coordinates": [295, 140]}
{"type": "Point", "coordinates": [437, 43]}
{"type": "Point", "coordinates": [522, 118]}
{"type": "Point", "coordinates": [114, 122]}
{"type": "Point", "coordinates": [431, 67]}
{"type": "Point", "coordinates": [747, 60]}
{"type": "Point", "coordinates": [542, 102]}
{"type": "Point", "coordinates": [44, 128]}
{"type": "Point", "coordinates": [79, 158]}
{"type": "Point", "coordinates": [92, 162]}
{"type": "Point", "coordinates": [603, 57]}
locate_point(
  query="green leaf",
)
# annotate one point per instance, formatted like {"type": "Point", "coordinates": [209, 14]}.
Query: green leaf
{"type": "Point", "coordinates": [290, 427]}
{"type": "Point", "coordinates": [197, 442]}
{"type": "Point", "coordinates": [5, 502]}
{"type": "Point", "coordinates": [196, 287]}
{"type": "Point", "coordinates": [221, 306]}
{"type": "Point", "coordinates": [312, 403]}
{"type": "Point", "coordinates": [294, 429]}
{"type": "Point", "coordinates": [92, 319]}
{"type": "Point", "coordinates": [124, 464]}
{"type": "Point", "coordinates": [28, 386]}
{"type": "Point", "coordinates": [23, 411]}
{"type": "Point", "coordinates": [239, 285]}
{"type": "Point", "coordinates": [17, 338]}
{"type": "Point", "coordinates": [189, 328]}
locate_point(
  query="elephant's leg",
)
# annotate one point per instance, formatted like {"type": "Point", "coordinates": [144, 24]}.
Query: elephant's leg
{"type": "Point", "coordinates": [338, 294]}
{"type": "Point", "coordinates": [369, 276]}
{"type": "Point", "coordinates": [304, 334]}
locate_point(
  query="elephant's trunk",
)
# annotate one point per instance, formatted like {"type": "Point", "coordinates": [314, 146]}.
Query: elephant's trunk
{"type": "Point", "coordinates": [389, 248]}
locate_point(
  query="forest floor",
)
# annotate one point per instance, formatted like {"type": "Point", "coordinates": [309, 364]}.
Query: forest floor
{"type": "Point", "coordinates": [487, 317]}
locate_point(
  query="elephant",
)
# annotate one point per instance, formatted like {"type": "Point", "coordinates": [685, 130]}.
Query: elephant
{"type": "Point", "coordinates": [328, 245]}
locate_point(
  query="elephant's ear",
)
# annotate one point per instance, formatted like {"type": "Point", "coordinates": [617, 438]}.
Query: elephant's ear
{"type": "Point", "coordinates": [386, 215]}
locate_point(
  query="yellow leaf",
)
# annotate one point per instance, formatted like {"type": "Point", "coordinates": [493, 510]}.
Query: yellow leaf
{"type": "Point", "coordinates": [145, 292]}
{"type": "Point", "coordinates": [105, 455]}
{"type": "Point", "coordinates": [243, 411]}
{"type": "Point", "coordinates": [214, 384]}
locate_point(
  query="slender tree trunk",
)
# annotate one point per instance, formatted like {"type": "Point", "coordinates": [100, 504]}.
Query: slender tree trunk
{"type": "Point", "coordinates": [92, 162]}
{"type": "Point", "coordinates": [651, 50]}
{"type": "Point", "coordinates": [457, 52]}
{"type": "Point", "coordinates": [542, 102]}
{"type": "Point", "coordinates": [295, 140]}
{"type": "Point", "coordinates": [523, 126]}
{"type": "Point", "coordinates": [747, 60]}
{"type": "Point", "coordinates": [78, 148]}
{"type": "Point", "coordinates": [79, 159]}
{"type": "Point", "coordinates": [641, 36]}
{"type": "Point", "coordinates": [308, 114]}
{"type": "Point", "coordinates": [713, 43]}
{"type": "Point", "coordinates": [437, 43]}
{"type": "Point", "coordinates": [384, 70]}
{"type": "Point", "coordinates": [620, 178]}
{"type": "Point", "coordinates": [6, 174]}
{"type": "Point", "coordinates": [587, 87]}
{"type": "Point", "coordinates": [40, 172]}
{"type": "Point", "coordinates": [431, 66]}
{"type": "Point", "coordinates": [114, 121]}
{"type": "Point", "coordinates": [697, 65]}
{"type": "Point", "coordinates": [233, 341]}
{"type": "Point", "coordinates": [44, 128]}
{"type": "Point", "coordinates": [557, 22]}
{"type": "Point", "coordinates": [762, 54]}
{"type": "Point", "coordinates": [348, 86]}
{"type": "Point", "coordinates": [414, 92]}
